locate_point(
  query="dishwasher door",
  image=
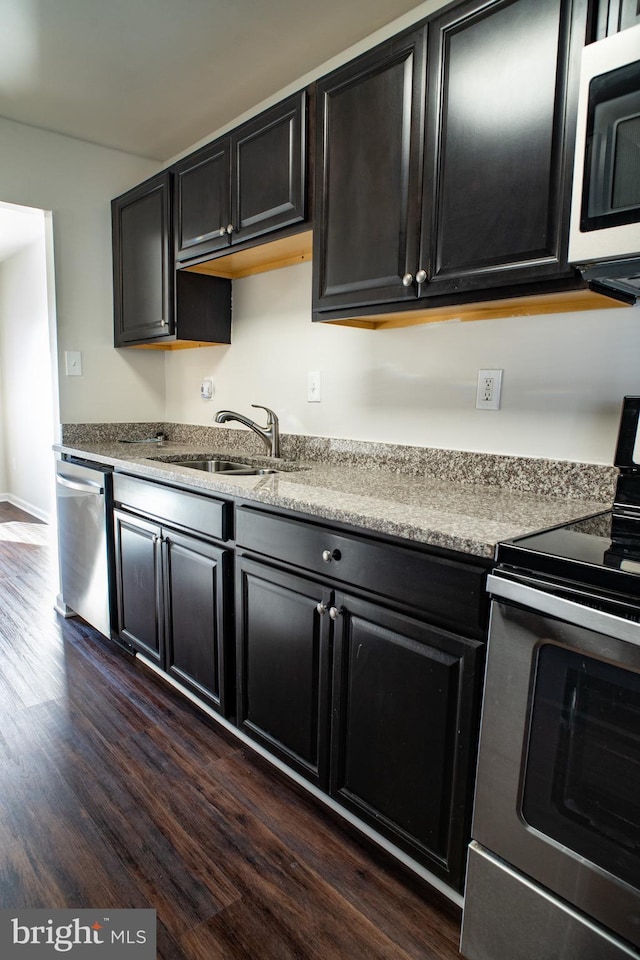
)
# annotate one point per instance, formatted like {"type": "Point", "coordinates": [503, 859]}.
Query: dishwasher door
{"type": "Point", "coordinates": [81, 495]}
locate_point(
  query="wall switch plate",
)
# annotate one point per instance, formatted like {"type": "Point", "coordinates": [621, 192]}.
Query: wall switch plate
{"type": "Point", "coordinates": [314, 386]}
{"type": "Point", "coordinates": [73, 363]}
{"type": "Point", "coordinates": [489, 388]}
{"type": "Point", "coordinates": [206, 389]}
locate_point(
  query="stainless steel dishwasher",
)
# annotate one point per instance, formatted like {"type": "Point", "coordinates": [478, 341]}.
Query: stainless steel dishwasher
{"type": "Point", "coordinates": [82, 493]}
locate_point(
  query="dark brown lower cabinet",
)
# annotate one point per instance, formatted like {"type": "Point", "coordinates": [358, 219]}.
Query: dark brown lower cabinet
{"type": "Point", "coordinates": [351, 667]}
{"type": "Point", "coordinates": [195, 574]}
{"type": "Point", "coordinates": [138, 583]}
{"type": "Point", "coordinates": [283, 666]}
{"type": "Point", "coordinates": [375, 706]}
{"type": "Point", "coordinates": [171, 602]}
{"type": "Point", "coordinates": [405, 702]}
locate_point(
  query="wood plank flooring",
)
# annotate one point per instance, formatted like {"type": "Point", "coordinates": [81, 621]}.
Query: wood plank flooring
{"type": "Point", "coordinates": [116, 792]}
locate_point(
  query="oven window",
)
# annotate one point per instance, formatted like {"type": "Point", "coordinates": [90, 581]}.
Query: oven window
{"type": "Point", "coordinates": [582, 778]}
{"type": "Point", "coordinates": [611, 188]}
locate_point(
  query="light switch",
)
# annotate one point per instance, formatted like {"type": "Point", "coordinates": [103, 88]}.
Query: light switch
{"type": "Point", "coordinates": [206, 389]}
{"type": "Point", "coordinates": [314, 386]}
{"type": "Point", "coordinates": [73, 363]}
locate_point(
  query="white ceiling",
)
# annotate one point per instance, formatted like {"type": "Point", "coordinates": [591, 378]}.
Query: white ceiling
{"type": "Point", "coordinates": [153, 77]}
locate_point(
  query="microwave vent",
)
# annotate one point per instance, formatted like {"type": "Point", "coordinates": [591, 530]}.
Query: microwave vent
{"type": "Point", "coordinates": [619, 279]}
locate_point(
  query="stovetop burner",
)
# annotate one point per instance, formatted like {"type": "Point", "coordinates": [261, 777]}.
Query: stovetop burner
{"type": "Point", "coordinates": [598, 557]}
{"type": "Point", "coordinates": [585, 554]}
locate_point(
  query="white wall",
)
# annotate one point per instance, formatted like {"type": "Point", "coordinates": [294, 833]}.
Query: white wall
{"type": "Point", "coordinates": [564, 375]}
{"type": "Point", "coordinates": [4, 490]}
{"type": "Point", "coordinates": [76, 181]}
{"type": "Point", "coordinates": [25, 410]}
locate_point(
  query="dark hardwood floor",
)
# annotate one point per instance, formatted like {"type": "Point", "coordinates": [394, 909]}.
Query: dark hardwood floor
{"type": "Point", "coordinates": [116, 792]}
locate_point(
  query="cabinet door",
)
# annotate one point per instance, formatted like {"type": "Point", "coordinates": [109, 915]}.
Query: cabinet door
{"type": "Point", "coordinates": [405, 716]}
{"type": "Point", "coordinates": [502, 81]}
{"type": "Point", "coordinates": [283, 665]}
{"type": "Point", "coordinates": [196, 575]}
{"type": "Point", "coordinates": [368, 176]}
{"type": "Point", "coordinates": [143, 280]}
{"type": "Point", "coordinates": [269, 170]}
{"type": "Point", "coordinates": [139, 583]}
{"type": "Point", "coordinates": [203, 200]}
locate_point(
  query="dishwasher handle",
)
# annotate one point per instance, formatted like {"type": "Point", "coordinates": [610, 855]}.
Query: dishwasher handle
{"type": "Point", "coordinates": [83, 486]}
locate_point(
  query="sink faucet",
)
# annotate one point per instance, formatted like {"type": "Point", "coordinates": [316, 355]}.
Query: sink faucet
{"type": "Point", "coordinates": [270, 434]}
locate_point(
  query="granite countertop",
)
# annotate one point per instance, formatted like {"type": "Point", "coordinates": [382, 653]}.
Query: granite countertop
{"type": "Point", "coordinates": [465, 516]}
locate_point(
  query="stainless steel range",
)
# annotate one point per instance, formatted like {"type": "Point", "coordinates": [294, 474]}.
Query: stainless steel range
{"type": "Point", "coordinates": [554, 865]}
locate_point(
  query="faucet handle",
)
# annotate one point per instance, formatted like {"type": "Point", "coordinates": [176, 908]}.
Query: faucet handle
{"type": "Point", "coordinates": [271, 416]}
{"type": "Point", "coordinates": [272, 429]}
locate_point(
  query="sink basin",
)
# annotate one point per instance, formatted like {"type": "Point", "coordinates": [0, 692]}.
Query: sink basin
{"type": "Point", "coordinates": [224, 466]}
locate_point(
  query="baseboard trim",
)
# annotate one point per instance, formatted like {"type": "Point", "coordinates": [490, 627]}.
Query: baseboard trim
{"type": "Point", "coordinates": [27, 507]}
{"type": "Point", "coordinates": [61, 607]}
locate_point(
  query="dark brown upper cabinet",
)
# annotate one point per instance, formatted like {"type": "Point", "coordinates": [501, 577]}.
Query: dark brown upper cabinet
{"type": "Point", "coordinates": [499, 154]}
{"type": "Point", "coordinates": [368, 176]}
{"type": "Point", "coordinates": [244, 185]}
{"type": "Point", "coordinates": [203, 200]}
{"type": "Point", "coordinates": [445, 178]}
{"type": "Point", "coordinates": [143, 281]}
{"type": "Point", "coordinates": [152, 305]}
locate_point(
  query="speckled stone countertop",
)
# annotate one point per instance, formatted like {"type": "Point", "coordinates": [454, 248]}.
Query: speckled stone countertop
{"type": "Point", "coordinates": [460, 501]}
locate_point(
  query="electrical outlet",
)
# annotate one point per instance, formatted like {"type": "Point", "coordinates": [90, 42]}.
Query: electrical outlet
{"type": "Point", "coordinates": [489, 387]}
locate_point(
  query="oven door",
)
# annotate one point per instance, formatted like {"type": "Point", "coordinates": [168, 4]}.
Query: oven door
{"type": "Point", "coordinates": [558, 788]}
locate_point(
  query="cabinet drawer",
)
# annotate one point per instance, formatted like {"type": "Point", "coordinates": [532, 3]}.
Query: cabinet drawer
{"type": "Point", "coordinates": [203, 515]}
{"type": "Point", "coordinates": [450, 591]}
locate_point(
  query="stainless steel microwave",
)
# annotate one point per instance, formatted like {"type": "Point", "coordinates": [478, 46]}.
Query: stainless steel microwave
{"type": "Point", "coordinates": [604, 238]}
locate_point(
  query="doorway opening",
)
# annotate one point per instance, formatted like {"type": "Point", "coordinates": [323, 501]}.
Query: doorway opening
{"type": "Point", "coordinates": [29, 409]}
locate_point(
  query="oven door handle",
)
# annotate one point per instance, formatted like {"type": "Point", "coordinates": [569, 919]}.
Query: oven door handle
{"type": "Point", "coordinates": [541, 601]}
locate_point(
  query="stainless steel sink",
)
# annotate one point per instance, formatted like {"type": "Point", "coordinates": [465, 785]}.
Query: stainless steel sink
{"type": "Point", "coordinates": [224, 466]}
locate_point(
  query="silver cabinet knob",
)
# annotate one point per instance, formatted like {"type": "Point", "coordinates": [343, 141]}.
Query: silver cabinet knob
{"type": "Point", "coordinates": [164, 323]}
{"type": "Point", "coordinates": [229, 228]}
{"type": "Point", "coordinates": [222, 232]}
{"type": "Point", "coordinates": [421, 276]}
{"type": "Point", "coordinates": [329, 555]}
{"type": "Point", "coordinates": [334, 613]}
{"type": "Point", "coordinates": [321, 608]}
{"type": "Point", "coordinates": [407, 280]}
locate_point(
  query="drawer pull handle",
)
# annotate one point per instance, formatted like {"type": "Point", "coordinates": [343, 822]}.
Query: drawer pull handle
{"type": "Point", "coordinates": [321, 608]}
{"type": "Point", "coordinates": [334, 613]}
{"type": "Point", "coordinates": [329, 555]}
